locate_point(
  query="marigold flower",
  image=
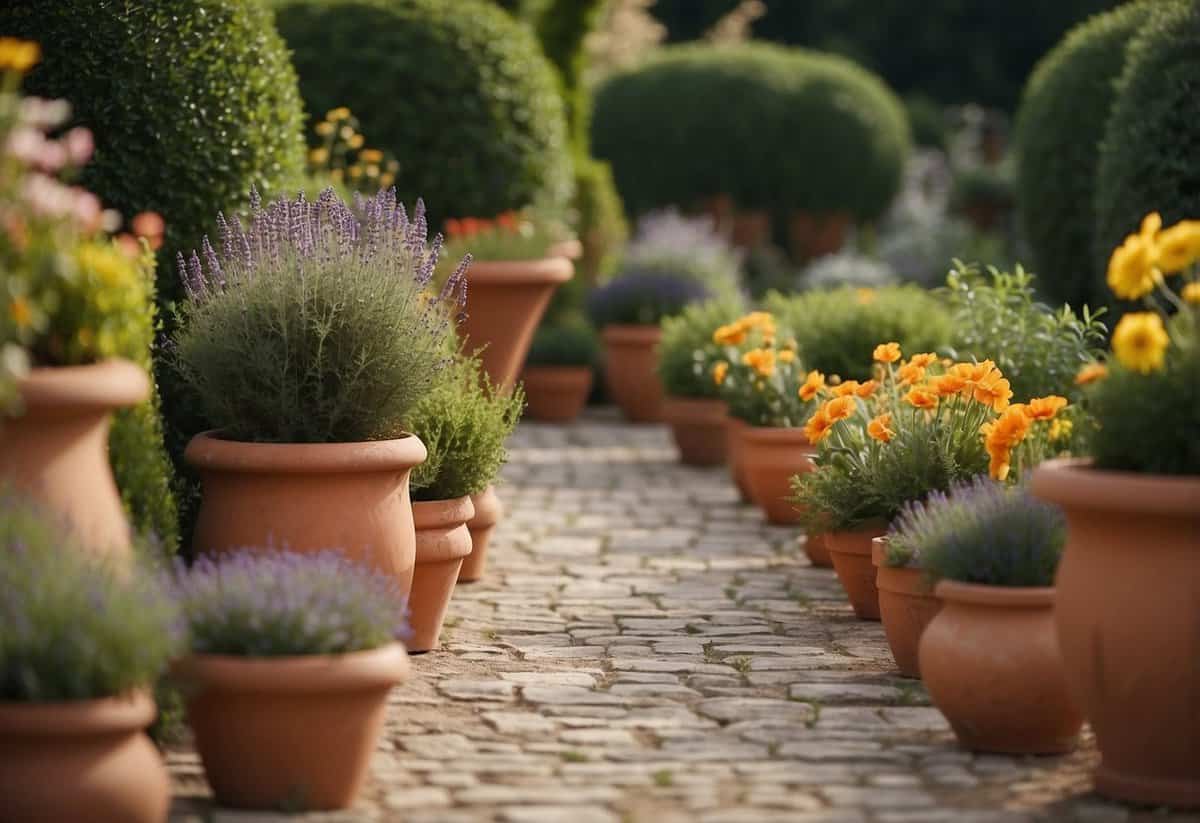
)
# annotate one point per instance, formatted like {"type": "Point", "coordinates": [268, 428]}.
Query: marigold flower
{"type": "Point", "coordinates": [880, 428]}
{"type": "Point", "coordinates": [921, 398]}
{"type": "Point", "coordinates": [948, 384]}
{"type": "Point", "coordinates": [786, 356]}
{"type": "Point", "coordinates": [761, 360]}
{"type": "Point", "coordinates": [1178, 247]}
{"type": "Point", "coordinates": [371, 156]}
{"type": "Point", "coordinates": [1009, 429]}
{"type": "Point", "coordinates": [909, 374]}
{"type": "Point", "coordinates": [864, 296]}
{"type": "Point", "coordinates": [719, 370]}
{"type": "Point", "coordinates": [760, 320]}
{"type": "Point", "coordinates": [1140, 342]}
{"type": "Point", "coordinates": [318, 156]}
{"type": "Point", "coordinates": [993, 390]}
{"type": "Point", "coordinates": [340, 113]}
{"type": "Point", "coordinates": [1131, 272]}
{"type": "Point", "coordinates": [731, 334]}
{"type": "Point", "coordinates": [1044, 408]}
{"type": "Point", "coordinates": [18, 55]}
{"type": "Point", "coordinates": [999, 465]}
{"type": "Point", "coordinates": [1090, 373]}
{"type": "Point", "coordinates": [818, 426]}
{"type": "Point", "coordinates": [813, 383]}
{"type": "Point", "coordinates": [887, 352]}
{"type": "Point", "coordinates": [1060, 429]}
{"type": "Point", "coordinates": [1191, 293]}
{"type": "Point", "coordinates": [923, 360]}
{"type": "Point", "coordinates": [847, 388]}
{"type": "Point", "coordinates": [839, 408]}
{"type": "Point", "coordinates": [324, 129]}
{"type": "Point", "coordinates": [867, 389]}
{"type": "Point", "coordinates": [355, 141]}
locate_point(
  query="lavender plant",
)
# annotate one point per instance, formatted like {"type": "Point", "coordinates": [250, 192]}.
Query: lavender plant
{"type": "Point", "coordinates": [316, 322]}
{"type": "Point", "coordinates": [643, 297]}
{"type": "Point", "coordinates": [668, 243]}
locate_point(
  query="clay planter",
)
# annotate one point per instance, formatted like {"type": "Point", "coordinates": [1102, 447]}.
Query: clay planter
{"type": "Point", "coordinates": [816, 547]}
{"type": "Point", "coordinates": [556, 394]}
{"type": "Point", "coordinates": [815, 235]}
{"type": "Point", "coordinates": [488, 511]}
{"type": "Point", "coordinates": [442, 542]}
{"type": "Point", "coordinates": [631, 371]}
{"type": "Point", "coordinates": [292, 733]}
{"type": "Point", "coordinates": [698, 427]}
{"type": "Point", "coordinates": [505, 303]}
{"type": "Point", "coordinates": [1128, 596]}
{"type": "Point", "coordinates": [771, 457]}
{"type": "Point", "coordinates": [733, 456]}
{"type": "Point", "coordinates": [851, 555]}
{"type": "Point", "coordinates": [56, 451]}
{"type": "Point", "coordinates": [906, 605]}
{"type": "Point", "coordinates": [81, 760]}
{"type": "Point", "coordinates": [308, 497]}
{"type": "Point", "coordinates": [991, 664]}
{"type": "Point", "coordinates": [750, 228]}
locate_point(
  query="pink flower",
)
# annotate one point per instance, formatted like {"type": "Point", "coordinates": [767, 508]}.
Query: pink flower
{"type": "Point", "coordinates": [52, 157]}
{"type": "Point", "coordinates": [79, 145]}
{"type": "Point", "coordinates": [148, 224]}
{"type": "Point", "coordinates": [25, 144]}
{"type": "Point", "coordinates": [86, 209]}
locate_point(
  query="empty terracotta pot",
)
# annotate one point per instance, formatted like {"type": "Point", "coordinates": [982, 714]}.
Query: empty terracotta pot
{"type": "Point", "coordinates": [556, 394]}
{"type": "Point", "coordinates": [292, 733]}
{"type": "Point", "coordinates": [771, 457]}
{"type": "Point", "coordinates": [816, 547]}
{"type": "Point", "coordinates": [698, 427]}
{"type": "Point", "coordinates": [733, 456]}
{"type": "Point", "coordinates": [81, 760]}
{"type": "Point", "coordinates": [488, 512]}
{"type": "Point", "coordinates": [631, 371]}
{"type": "Point", "coordinates": [308, 497]}
{"type": "Point", "coordinates": [991, 664]}
{"type": "Point", "coordinates": [815, 235]}
{"type": "Point", "coordinates": [1128, 618]}
{"type": "Point", "coordinates": [443, 540]}
{"type": "Point", "coordinates": [906, 605]}
{"type": "Point", "coordinates": [56, 450]}
{"type": "Point", "coordinates": [505, 302]}
{"type": "Point", "coordinates": [851, 555]}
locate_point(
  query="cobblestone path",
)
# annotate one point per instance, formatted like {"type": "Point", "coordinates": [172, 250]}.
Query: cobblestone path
{"type": "Point", "coordinates": [645, 650]}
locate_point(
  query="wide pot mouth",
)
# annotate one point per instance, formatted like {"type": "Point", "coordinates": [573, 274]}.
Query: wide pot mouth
{"type": "Point", "coordinates": [631, 335]}
{"type": "Point", "coordinates": [442, 514]}
{"type": "Point", "coordinates": [130, 712]}
{"type": "Point", "coordinates": [373, 668]}
{"type": "Point", "coordinates": [109, 384]}
{"type": "Point", "coordinates": [1005, 597]}
{"type": "Point", "coordinates": [208, 451]}
{"type": "Point", "coordinates": [573, 375]}
{"type": "Point", "coordinates": [777, 436]}
{"type": "Point", "coordinates": [538, 271]}
{"type": "Point", "coordinates": [488, 508]}
{"type": "Point", "coordinates": [1075, 483]}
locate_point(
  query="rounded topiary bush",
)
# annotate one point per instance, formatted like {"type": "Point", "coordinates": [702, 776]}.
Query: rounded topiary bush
{"type": "Point", "coordinates": [1059, 128]}
{"type": "Point", "coordinates": [458, 92]}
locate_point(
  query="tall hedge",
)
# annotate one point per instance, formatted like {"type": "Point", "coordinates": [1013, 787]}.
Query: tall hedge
{"type": "Point", "coordinates": [1059, 128]}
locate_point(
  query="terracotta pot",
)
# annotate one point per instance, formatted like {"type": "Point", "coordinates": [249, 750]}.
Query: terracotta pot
{"type": "Point", "coordinates": [308, 497]}
{"type": "Point", "coordinates": [751, 228]}
{"type": "Point", "coordinates": [56, 451]}
{"type": "Point", "coordinates": [851, 555]}
{"type": "Point", "coordinates": [698, 427]}
{"type": "Point", "coordinates": [733, 455]}
{"type": "Point", "coordinates": [631, 371]}
{"type": "Point", "coordinates": [292, 733]}
{"type": "Point", "coordinates": [816, 547]}
{"type": "Point", "coordinates": [488, 512]}
{"type": "Point", "coordinates": [906, 605]}
{"type": "Point", "coordinates": [81, 760]}
{"type": "Point", "coordinates": [991, 664]}
{"type": "Point", "coordinates": [1128, 626]}
{"type": "Point", "coordinates": [443, 540]}
{"type": "Point", "coordinates": [771, 457]}
{"type": "Point", "coordinates": [505, 303]}
{"type": "Point", "coordinates": [815, 235]}
{"type": "Point", "coordinates": [556, 394]}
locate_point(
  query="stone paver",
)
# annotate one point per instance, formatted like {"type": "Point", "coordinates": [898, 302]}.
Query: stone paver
{"type": "Point", "coordinates": [644, 649]}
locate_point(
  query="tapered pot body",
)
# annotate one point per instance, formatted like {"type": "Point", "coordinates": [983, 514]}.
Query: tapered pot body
{"type": "Point", "coordinates": [443, 541]}
{"type": "Point", "coordinates": [631, 371]}
{"type": "Point", "coordinates": [556, 394]}
{"type": "Point", "coordinates": [1128, 618]}
{"type": "Point", "coordinates": [734, 457]}
{"type": "Point", "coordinates": [698, 428]}
{"type": "Point", "coordinates": [771, 457]}
{"type": "Point", "coordinates": [906, 606]}
{"type": "Point", "coordinates": [816, 547]}
{"type": "Point", "coordinates": [488, 513]}
{"type": "Point", "coordinates": [851, 554]}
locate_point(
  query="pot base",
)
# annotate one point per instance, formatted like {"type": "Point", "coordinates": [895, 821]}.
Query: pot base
{"type": "Point", "coordinates": [851, 555]}
{"type": "Point", "coordinates": [1155, 791]}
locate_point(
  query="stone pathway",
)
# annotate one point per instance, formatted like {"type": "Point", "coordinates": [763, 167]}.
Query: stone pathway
{"type": "Point", "coordinates": [645, 650]}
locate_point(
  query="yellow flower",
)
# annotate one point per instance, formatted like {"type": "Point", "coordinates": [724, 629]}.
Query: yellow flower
{"type": "Point", "coordinates": [354, 171]}
{"type": "Point", "coordinates": [386, 179]}
{"type": "Point", "coordinates": [18, 55]}
{"type": "Point", "coordinates": [355, 141]}
{"type": "Point", "coordinates": [813, 383]}
{"type": "Point", "coordinates": [880, 428]}
{"type": "Point", "coordinates": [864, 296]}
{"type": "Point", "coordinates": [1044, 408]}
{"type": "Point", "coordinates": [340, 113]}
{"type": "Point", "coordinates": [318, 156]}
{"type": "Point", "coordinates": [1060, 429]}
{"type": "Point", "coordinates": [107, 263]}
{"type": "Point", "coordinates": [1140, 342]}
{"type": "Point", "coordinates": [732, 334]}
{"type": "Point", "coordinates": [719, 370]}
{"type": "Point", "coordinates": [1178, 247]}
{"type": "Point", "coordinates": [20, 311]}
{"type": "Point", "coordinates": [921, 398]}
{"type": "Point", "coordinates": [910, 373]}
{"type": "Point", "coordinates": [923, 360]}
{"type": "Point", "coordinates": [1091, 373]}
{"type": "Point", "coordinates": [887, 352]}
{"type": "Point", "coordinates": [867, 389]}
{"type": "Point", "coordinates": [818, 427]}
{"type": "Point", "coordinates": [371, 156]}
{"type": "Point", "coordinates": [324, 129]}
{"type": "Point", "coordinates": [1191, 293]}
{"type": "Point", "coordinates": [761, 360]}
{"type": "Point", "coordinates": [1131, 272]}
{"type": "Point", "coordinates": [786, 356]}
{"type": "Point", "coordinates": [1151, 225]}
{"type": "Point", "coordinates": [761, 320]}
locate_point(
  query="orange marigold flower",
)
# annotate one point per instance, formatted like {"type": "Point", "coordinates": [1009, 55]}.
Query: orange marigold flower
{"type": "Point", "coordinates": [923, 360]}
{"type": "Point", "coordinates": [867, 389]}
{"type": "Point", "coordinates": [786, 356]}
{"type": "Point", "coordinates": [847, 388]}
{"type": "Point", "coordinates": [921, 398]}
{"type": "Point", "coordinates": [813, 383]}
{"type": "Point", "coordinates": [993, 390]}
{"type": "Point", "coordinates": [880, 428]}
{"type": "Point", "coordinates": [839, 408]}
{"type": "Point", "coordinates": [719, 370]}
{"type": "Point", "coordinates": [761, 360]}
{"type": "Point", "coordinates": [1044, 408]}
{"type": "Point", "coordinates": [1008, 430]}
{"type": "Point", "coordinates": [948, 384]}
{"type": "Point", "coordinates": [818, 426]}
{"type": "Point", "coordinates": [887, 352]}
{"type": "Point", "coordinates": [910, 374]}
{"type": "Point", "coordinates": [1091, 373]}
{"type": "Point", "coordinates": [732, 334]}
{"type": "Point", "coordinates": [999, 465]}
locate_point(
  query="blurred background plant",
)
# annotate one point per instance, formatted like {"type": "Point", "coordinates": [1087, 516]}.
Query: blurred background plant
{"type": "Point", "coordinates": [643, 297]}
{"type": "Point", "coordinates": [686, 353]}
{"type": "Point", "coordinates": [341, 157]}
{"type": "Point", "coordinates": [569, 341]}
{"type": "Point", "coordinates": [512, 235]}
{"type": "Point", "coordinates": [669, 243]}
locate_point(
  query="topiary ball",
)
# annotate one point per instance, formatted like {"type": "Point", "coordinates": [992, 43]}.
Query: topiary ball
{"type": "Point", "coordinates": [459, 93]}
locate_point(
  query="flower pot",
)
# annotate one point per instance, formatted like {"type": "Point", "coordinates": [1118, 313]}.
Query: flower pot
{"type": "Point", "coordinates": [698, 427]}
{"type": "Point", "coordinates": [906, 605]}
{"type": "Point", "coordinates": [556, 394]}
{"type": "Point", "coordinates": [751, 228]}
{"type": "Point", "coordinates": [991, 664]}
{"type": "Point", "coordinates": [816, 547]}
{"type": "Point", "coordinates": [443, 540]}
{"type": "Point", "coordinates": [1128, 626]}
{"type": "Point", "coordinates": [308, 497]}
{"type": "Point", "coordinates": [571, 249]}
{"type": "Point", "coordinates": [505, 303]}
{"type": "Point", "coordinates": [81, 760]}
{"type": "Point", "coordinates": [851, 555]}
{"type": "Point", "coordinates": [815, 235]}
{"type": "Point", "coordinates": [56, 451]}
{"type": "Point", "coordinates": [771, 457]}
{"type": "Point", "coordinates": [488, 511]}
{"type": "Point", "coordinates": [292, 733]}
{"type": "Point", "coordinates": [631, 371]}
{"type": "Point", "coordinates": [733, 455]}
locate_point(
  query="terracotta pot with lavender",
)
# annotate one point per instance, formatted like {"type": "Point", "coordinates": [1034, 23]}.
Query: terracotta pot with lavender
{"type": "Point", "coordinates": [906, 604]}
{"type": "Point", "coordinates": [559, 370]}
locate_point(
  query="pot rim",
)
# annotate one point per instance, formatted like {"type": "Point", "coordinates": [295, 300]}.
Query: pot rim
{"type": "Point", "coordinates": [550, 372]}
{"type": "Point", "coordinates": [106, 384]}
{"type": "Point", "coordinates": [488, 508]}
{"type": "Point", "coordinates": [631, 334]}
{"type": "Point", "coordinates": [442, 514]}
{"type": "Point", "coordinates": [1074, 482]}
{"type": "Point", "coordinates": [209, 452]}
{"type": "Point", "coordinates": [130, 712]}
{"type": "Point", "coordinates": [534, 271]}
{"type": "Point", "coordinates": [1008, 597]}
{"type": "Point", "coordinates": [776, 435]}
{"type": "Point", "coordinates": [695, 402]}
{"type": "Point", "coordinates": [386, 665]}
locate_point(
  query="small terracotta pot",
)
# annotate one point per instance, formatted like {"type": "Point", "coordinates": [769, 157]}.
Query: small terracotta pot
{"type": "Point", "coordinates": [698, 427]}
{"type": "Point", "coordinates": [443, 540]}
{"type": "Point", "coordinates": [733, 456]}
{"type": "Point", "coordinates": [816, 547]}
{"type": "Point", "coordinates": [292, 733]}
{"type": "Point", "coordinates": [488, 512]}
{"type": "Point", "coordinates": [556, 394]}
{"type": "Point", "coordinates": [851, 555]}
{"type": "Point", "coordinates": [991, 664]}
{"type": "Point", "coordinates": [1128, 626]}
{"type": "Point", "coordinates": [631, 371]}
{"type": "Point", "coordinates": [906, 605]}
{"type": "Point", "coordinates": [815, 235]}
{"type": "Point", "coordinates": [309, 497]}
{"type": "Point", "coordinates": [771, 457]}
{"type": "Point", "coordinates": [751, 228]}
{"type": "Point", "coordinates": [81, 760]}
{"type": "Point", "coordinates": [56, 450]}
{"type": "Point", "coordinates": [505, 302]}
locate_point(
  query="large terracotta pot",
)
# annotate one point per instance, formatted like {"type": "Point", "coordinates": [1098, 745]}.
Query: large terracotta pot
{"type": "Point", "coordinates": [991, 664]}
{"type": "Point", "coordinates": [1128, 615]}
{"type": "Point", "coordinates": [81, 760]}
{"type": "Point", "coordinates": [733, 456]}
{"type": "Point", "coordinates": [851, 555]}
{"type": "Point", "coordinates": [906, 606]}
{"type": "Point", "coordinates": [556, 394]}
{"type": "Point", "coordinates": [505, 303]}
{"type": "Point", "coordinates": [308, 497]}
{"type": "Point", "coordinates": [443, 541]}
{"type": "Point", "coordinates": [631, 371]}
{"type": "Point", "coordinates": [488, 511]}
{"type": "Point", "coordinates": [815, 235]}
{"type": "Point", "coordinates": [698, 427]}
{"type": "Point", "coordinates": [771, 457]}
{"type": "Point", "coordinates": [751, 228]}
{"type": "Point", "coordinates": [56, 451]}
{"type": "Point", "coordinates": [816, 547]}
{"type": "Point", "coordinates": [292, 733]}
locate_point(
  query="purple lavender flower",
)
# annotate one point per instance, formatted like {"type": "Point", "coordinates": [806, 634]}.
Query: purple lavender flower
{"type": "Point", "coordinates": [643, 297]}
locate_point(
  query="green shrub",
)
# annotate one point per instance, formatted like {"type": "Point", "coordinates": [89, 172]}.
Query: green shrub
{"type": "Point", "coordinates": [600, 218]}
{"type": "Point", "coordinates": [1059, 127]}
{"type": "Point", "coordinates": [687, 347]}
{"type": "Point", "coordinates": [458, 92]}
{"type": "Point", "coordinates": [568, 341]}
{"type": "Point", "coordinates": [928, 120]}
